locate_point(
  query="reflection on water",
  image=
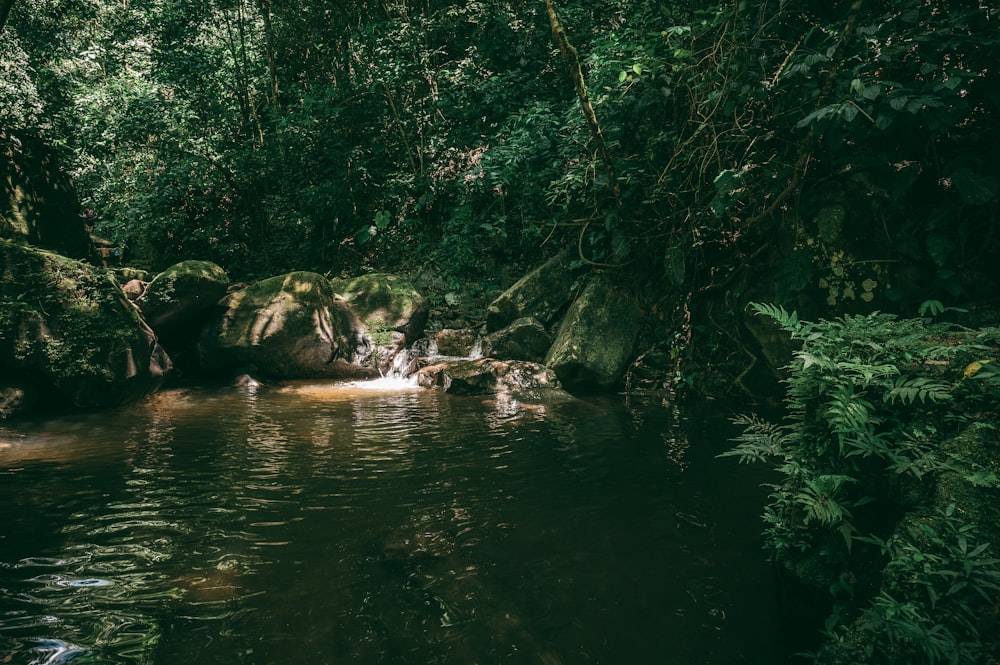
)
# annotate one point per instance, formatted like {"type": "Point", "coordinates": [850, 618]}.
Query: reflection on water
{"type": "Point", "coordinates": [378, 523]}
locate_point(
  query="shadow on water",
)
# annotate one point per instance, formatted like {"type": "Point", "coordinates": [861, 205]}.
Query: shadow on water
{"type": "Point", "coordinates": [335, 523]}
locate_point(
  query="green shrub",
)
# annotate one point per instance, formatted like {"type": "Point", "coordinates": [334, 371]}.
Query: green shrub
{"type": "Point", "coordinates": [870, 476]}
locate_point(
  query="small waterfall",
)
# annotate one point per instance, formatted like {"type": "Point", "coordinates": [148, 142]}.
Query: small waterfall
{"type": "Point", "coordinates": [400, 374]}
{"type": "Point", "coordinates": [402, 363]}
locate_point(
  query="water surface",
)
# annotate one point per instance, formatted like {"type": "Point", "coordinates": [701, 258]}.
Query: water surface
{"type": "Point", "coordinates": [331, 523]}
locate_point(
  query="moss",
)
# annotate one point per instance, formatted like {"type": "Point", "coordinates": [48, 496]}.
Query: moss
{"type": "Point", "coordinates": [385, 303]}
{"type": "Point", "coordinates": [59, 315]}
{"type": "Point", "coordinates": [289, 300]}
{"type": "Point", "coordinates": [183, 276]}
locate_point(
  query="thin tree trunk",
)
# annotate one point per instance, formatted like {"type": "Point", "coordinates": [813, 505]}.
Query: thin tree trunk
{"type": "Point", "coordinates": [573, 65]}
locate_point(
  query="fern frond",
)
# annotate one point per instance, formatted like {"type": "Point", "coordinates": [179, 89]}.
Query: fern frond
{"type": "Point", "coordinates": [759, 441]}
{"type": "Point", "coordinates": [868, 373]}
{"type": "Point", "coordinates": [908, 389]}
{"type": "Point", "coordinates": [789, 322]}
{"type": "Point", "coordinates": [819, 498]}
{"type": "Point", "coordinates": [810, 359]}
{"type": "Point", "coordinates": [847, 412]}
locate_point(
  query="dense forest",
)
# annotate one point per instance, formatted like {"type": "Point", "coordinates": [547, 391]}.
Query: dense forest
{"type": "Point", "coordinates": [844, 150]}
{"type": "Point", "coordinates": [830, 159]}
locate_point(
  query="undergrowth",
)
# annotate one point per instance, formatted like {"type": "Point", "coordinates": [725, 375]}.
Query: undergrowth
{"type": "Point", "coordinates": [866, 507]}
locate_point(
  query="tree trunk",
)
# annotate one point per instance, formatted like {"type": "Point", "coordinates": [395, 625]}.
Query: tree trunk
{"type": "Point", "coordinates": [576, 74]}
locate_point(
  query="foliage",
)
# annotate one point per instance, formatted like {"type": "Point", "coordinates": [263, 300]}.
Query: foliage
{"type": "Point", "coordinates": [869, 401]}
{"type": "Point", "coordinates": [20, 105]}
{"type": "Point", "coordinates": [268, 135]}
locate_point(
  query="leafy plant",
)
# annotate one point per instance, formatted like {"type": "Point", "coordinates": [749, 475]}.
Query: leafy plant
{"type": "Point", "coordinates": [942, 583]}
{"type": "Point", "coordinates": [870, 399]}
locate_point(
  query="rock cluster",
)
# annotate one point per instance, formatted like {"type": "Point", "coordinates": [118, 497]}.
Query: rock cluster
{"type": "Point", "coordinates": [70, 336]}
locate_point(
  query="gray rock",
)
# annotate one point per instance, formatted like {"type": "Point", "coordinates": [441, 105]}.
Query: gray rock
{"type": "Point", "coordinates": [289, 326]}
{"type": "Point", "coordinates": [456, 341]}
{"type": "Point", "coordinates": [524, 339]}
{"type": "Point", "coordinates": [385, 303]}
{"type": "Point", "coordinates": [596, 338]}
{"type": "Point", "coordinates": [488, 376]}
{"type": "Point", "coordinates": [133, 289]}
{"type": "Point", "coordinates": [181, 296]}
{"type": "Point", "coordinates": [541, 294]}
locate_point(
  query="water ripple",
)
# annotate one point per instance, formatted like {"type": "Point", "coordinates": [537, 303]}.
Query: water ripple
{"type": "Point", "coordinates": [321, 522]}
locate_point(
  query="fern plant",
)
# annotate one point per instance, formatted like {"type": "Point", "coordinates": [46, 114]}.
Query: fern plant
{"type": "Point", "coordinates": [869, 399]}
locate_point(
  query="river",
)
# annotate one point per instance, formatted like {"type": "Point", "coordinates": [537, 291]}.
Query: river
{"type": "Point", "coordinates": [329, 523]}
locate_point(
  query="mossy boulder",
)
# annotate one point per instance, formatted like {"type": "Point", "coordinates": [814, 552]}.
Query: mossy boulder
{"type": "Point", "coordinates": [286, 327]}
{"type": "Point", "coordinates": [68, 335]}
{"type": "Point", "coordinates": [177, 305]}
{"type": "Point", "coordinates": [385, 303]}
{"type": "Point", "coordinates": [595, 341]}
{"type": "Point", "coordinates": [181, 295]}
{"type": "Point", "coordinates": [542, 294]}
{"type": "Point", "coordinates": [38, 203]}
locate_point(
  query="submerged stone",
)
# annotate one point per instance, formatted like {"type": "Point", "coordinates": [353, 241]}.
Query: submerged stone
{"type": "Point", "coordinates": [488, 376]}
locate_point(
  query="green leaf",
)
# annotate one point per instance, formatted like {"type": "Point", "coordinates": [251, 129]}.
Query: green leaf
{"type": "Point", "coordinates": [382, 219]}
{"type": "Point", "coordinates": [908, 389]}
{"type": "Point", "coordinates": [939, 246]}
{"type": "Point", "coordinates": [898, 102]}
{"type": "Point", "coordinates": [975, 189]}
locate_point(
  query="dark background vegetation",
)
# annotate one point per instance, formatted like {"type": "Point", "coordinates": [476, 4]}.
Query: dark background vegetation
{"type": "Point", "coordinates": [843, 151]}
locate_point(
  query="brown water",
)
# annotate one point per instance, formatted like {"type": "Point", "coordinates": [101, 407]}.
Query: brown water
{"type": "Point", "coordinates": [325, 523]}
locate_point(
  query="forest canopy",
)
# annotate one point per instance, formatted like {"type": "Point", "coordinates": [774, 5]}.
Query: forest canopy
{"type": "Point", "coordinates": [845, 150]}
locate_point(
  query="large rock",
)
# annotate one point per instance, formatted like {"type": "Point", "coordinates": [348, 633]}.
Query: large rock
{"type": "Point", "coordinates": [177, 305]}
{"type": "Point", "coordinates": [541, 294]}
{"type": "Point", "coordinates": [38, 203]}
{"type": "Point", "coordinates": [488, 376]}
{"type": "Point", "coordinates": [456, 341]}
{"type": "Point", "coordinates": [69, 336]}
{"type": "Point", "coordinates": [286, 327]}
{"type": "Point", "coordinates": [385, 303]}
{"type": "Point", "coordinates": [596, 338]}
{"type": "Point", "coordinates": [524, 339]}
{"type": "Point", "coordinates": [181, 296]}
